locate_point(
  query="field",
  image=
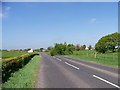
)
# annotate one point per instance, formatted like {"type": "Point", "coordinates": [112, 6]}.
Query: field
{"type": "Point", "coordinates": [10, 54]}
{"type": "Point", "coordinates": [108, 58]}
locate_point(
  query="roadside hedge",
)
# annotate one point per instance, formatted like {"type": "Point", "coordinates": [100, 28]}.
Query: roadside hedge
{"type": "Point", "coordinates": [10, 65]}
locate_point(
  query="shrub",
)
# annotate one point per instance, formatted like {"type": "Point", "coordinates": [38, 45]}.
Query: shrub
{"type": "Point", "coordinates": [62, 49]}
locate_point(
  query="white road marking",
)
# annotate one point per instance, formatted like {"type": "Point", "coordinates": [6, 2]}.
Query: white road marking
{"type": "Point", "coordinates": [95, 68]}
{"type": "Point", "coordinates": [71, 65]}
{"type": "Point", "coordinates": [106, 81]}
{"type": "Point", "coordinates": [58, 59]}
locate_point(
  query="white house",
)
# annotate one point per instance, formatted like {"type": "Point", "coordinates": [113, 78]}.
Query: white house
{"type": "Point", "coordinates": [86, 48]}
{"type": "Point", "coordinates": [30, 51]}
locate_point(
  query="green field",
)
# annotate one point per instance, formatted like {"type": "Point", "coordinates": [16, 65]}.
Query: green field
{"type": "Point", "coordinates": [108, 58]}
{"type": "Point", "coordinates": [25, 77]}
{"type": "Point", "coordinates": [9, 54]}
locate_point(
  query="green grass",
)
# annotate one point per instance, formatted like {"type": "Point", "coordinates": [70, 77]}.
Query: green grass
{"type": "Point", "coordinates": [9, 54]}
{"type": "Point", "coordinates": [48, 53]}
{"type": "Point", "coordinates": [25, 77]}
{"type": "Point", "coordinates": [108, 58]}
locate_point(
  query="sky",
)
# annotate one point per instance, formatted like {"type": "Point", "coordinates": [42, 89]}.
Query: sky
{"type": "Point", "coordinates": [42, 24]}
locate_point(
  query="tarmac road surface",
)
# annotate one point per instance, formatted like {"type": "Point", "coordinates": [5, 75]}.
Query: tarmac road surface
{"type": "Point", "coordinates": [64, 72]}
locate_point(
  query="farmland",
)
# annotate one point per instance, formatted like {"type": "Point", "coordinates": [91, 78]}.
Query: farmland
{"type": "Point", "coordinates": [10, 54]}
{"type": "Point", "coordinates": [108, 58]}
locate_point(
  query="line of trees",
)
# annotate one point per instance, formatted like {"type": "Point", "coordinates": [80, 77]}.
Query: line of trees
{"type": "Point", "coordinates": [65, 49]}
{"type": "Point", "coordinates": [82, 47]}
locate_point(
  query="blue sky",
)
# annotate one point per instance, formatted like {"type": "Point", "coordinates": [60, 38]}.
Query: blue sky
{"type": "Point", "coordinates": [35, 25]}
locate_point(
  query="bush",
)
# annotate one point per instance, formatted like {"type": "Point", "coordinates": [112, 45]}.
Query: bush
{"type": "Point", "coordinates": [53, 52]}
{"type": "Point", "coordinates": [62, 49]}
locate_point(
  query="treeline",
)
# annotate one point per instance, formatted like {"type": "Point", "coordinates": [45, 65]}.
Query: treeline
{"type": "Point", "coordinates": [110, 42]}
{"type": "Point", "coordinates": [27, 49]}
{"type": "Point", "coordinates": [65, 49]}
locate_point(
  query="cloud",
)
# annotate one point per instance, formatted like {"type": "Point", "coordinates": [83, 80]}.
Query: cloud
{"type": "Point", "coordinates": [7, 8]}
{"type": "Point", "coordinates": [5, 12]}
{"type": "Point", "coordinates": [1, 15]}
{"type": "Point", "coordinates": [93, 20]}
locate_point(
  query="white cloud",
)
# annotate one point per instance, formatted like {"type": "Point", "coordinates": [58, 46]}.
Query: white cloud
{"type": "Point", "coordinates": [1, 15]}
{"type": "Point", "coordinates": [5, 12]}
{"type": "Point", "coordinates": [7, 8]}
{"type": "Point", "coordinates": [93, 20]}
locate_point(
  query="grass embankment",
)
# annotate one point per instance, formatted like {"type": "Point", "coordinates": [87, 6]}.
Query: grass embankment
{"type": "Point", "coordinates": [108, 58]}
{"type": "Point", "coordinates": [25, 77]}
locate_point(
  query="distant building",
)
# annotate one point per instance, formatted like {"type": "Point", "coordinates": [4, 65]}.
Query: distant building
{"type": "Point", "coordinates": [86, 48]}
{"type": "Point", "coordinates": [44, 50]}
{"type": "Point", "coordinates": [30, 51]}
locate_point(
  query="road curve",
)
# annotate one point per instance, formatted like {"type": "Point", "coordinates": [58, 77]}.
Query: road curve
{"type": "Point", "coordinates": [62, 72]}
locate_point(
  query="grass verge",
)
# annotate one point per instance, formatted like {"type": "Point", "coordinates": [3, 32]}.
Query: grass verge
{"type": "Point", "coordinates": [110, 59]}
{"type": "Point", "coordinates": [25, 77]}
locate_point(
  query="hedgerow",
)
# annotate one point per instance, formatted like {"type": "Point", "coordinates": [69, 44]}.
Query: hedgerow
{"type": "Point", "coordinates": [25, 77]}
{"type": "Point", "coordinates": [10, 65]}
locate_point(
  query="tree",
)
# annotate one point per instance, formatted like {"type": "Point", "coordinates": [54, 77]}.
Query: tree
{"type": "Point", "coordinates": [83, 47]}
{"type": "Point", "coordinates": [77, 47]}
{"type": "Point", "coordinates": [41, 49]}
{"type": "Point", "coordinates": [49, 48]}
{"type": "Point", "coordinates": [89, 47]}
{"type": "Point", "coordinates": [37, 50]}
{"type": "Point", "coordinates": [27, 49]}
{"type": "Point", "coordinates": [108, 42]}
{"type": "Point", "coordinates": [70, 48]}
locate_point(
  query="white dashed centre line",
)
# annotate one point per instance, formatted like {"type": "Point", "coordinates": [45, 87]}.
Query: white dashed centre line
{"type": "Point", "coordinates": [58, 59]}
{"type": "Point", "coordinates": [106, 81]}
{"type": "Point", "coordinates": [71, 65]}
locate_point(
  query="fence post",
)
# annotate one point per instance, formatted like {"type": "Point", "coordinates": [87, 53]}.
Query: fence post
{"type": "Point", "coordinates": [95, 55]}
{"type": "Point", "coordinates": [113, 56]}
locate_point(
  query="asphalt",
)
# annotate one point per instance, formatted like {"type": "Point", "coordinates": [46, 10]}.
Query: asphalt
{"type": "Point", "coordinates": [64, 72]}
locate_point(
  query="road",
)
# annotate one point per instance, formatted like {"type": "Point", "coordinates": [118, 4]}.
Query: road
{"type": "Point", "coordinates": [63, 72]}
